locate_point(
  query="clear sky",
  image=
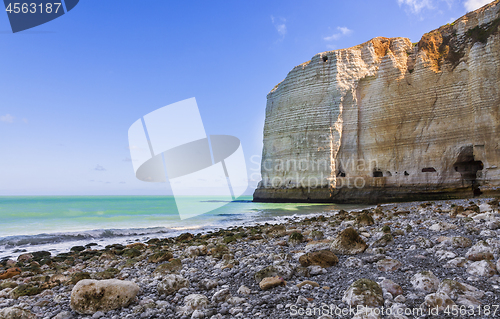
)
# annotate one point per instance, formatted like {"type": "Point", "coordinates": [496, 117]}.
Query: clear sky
{"type": "Point", "coordinates": [70, 89]}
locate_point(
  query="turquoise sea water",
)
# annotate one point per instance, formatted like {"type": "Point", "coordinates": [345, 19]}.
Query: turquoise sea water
{"type": "Point", "coordinates": [56, 223]}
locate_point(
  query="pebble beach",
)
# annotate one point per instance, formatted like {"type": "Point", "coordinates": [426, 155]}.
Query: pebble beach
{"type": "Point", "coordinates": [408, 260]}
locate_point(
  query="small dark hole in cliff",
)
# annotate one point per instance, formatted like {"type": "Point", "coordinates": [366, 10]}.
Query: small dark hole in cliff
{"type": "Point", "coordinates": [476, 190]}
{"type": "Point", "coordinates": [378, 174]}
{"type": "Point", "coordinates": [428, 170]}
{"type": "Point", "coordinates": [341, 174]}
{"type": "Point", "coordinates": [325, 58]}
{"type": "Point", "coordinates": [406, 173]}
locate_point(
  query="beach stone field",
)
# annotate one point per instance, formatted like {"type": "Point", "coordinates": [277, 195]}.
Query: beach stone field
{"type": "Point", "coordinates": [409, 260]}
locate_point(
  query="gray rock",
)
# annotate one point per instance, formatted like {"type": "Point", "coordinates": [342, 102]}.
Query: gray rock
{"type": "Point", "coordinates": [353, 262]}
{"type": "Point", "coordinates": [279, 268]}
{"type": "Point", "coordinates": [63, 315]}
{"type": "Point", "coordinates": [391, 287]}
{"type": "Point", "coordinates": [316, 270]}
{"type": "Point", "coordinates": [16, 313]}
{"type": "Point", "coordinates": [424, 242]}
{"type": "Point", "coordinates": [364, 292]}
{"type": "Point", "coordinates": [98, 315]}
{"type": "Point", "coordinates": [439, 300]}
{"type": "Point", "coordinates": [170, 284]}
{"type": "Point", "coordinates": [455, 289]}
{"type": "Point", "coordinates": [483, 268]}
{"type": "Point", "coordinates": [383, 241]}
{"type": "Point", "coordinates": [425, 281]}
{"type": "Point", "coordinates": [388, 264]}
{"type": "Point", "coordinates": [208, 284]}
{"type": "Point", "coordinates": [193, 303]}
{"type": "Point", "coordinates": [480, 251]}
{"type": "Point", "coordinates": [348, 242]}
{"type": "Point", "coordinates": [221, 295]}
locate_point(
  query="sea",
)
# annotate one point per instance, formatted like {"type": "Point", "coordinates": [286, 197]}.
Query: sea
{"type": "Point", "coordinates": [57, 223]}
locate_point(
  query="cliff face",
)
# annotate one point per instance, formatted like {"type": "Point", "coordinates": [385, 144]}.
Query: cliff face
{"type": "Point", "coordinates": [390, 120]}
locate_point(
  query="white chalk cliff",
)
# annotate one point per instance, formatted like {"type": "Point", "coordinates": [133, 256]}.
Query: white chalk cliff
{"type": "Point", "coordinates": [390, 120]}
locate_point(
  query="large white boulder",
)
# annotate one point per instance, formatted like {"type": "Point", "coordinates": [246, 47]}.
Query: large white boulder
{"type": "Point", "coordinates": [89, 296]}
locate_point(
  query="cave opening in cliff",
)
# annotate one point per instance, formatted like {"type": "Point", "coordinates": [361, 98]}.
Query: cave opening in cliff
{"type": "Point", "coordinates": [468, 167]}
{"type": "Point", "coordinates": [378, 174]}
{"type": "Point", "coordinates": [325, 58]}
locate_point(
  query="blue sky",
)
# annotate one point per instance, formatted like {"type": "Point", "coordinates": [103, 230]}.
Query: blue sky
{"type": "Point", "coordinates": [70, 89]}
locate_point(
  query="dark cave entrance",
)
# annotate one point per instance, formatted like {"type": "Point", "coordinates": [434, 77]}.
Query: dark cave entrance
{"type": "Point", "coordinates": [378, 173]}
{"type": "Point", "coordinates": [467, 166]}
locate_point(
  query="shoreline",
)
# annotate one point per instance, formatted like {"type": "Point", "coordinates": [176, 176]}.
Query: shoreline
{"type": "Point", "coordinates": [230, 271]}
{"type": "Point", "coordinates": [57, 242]}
